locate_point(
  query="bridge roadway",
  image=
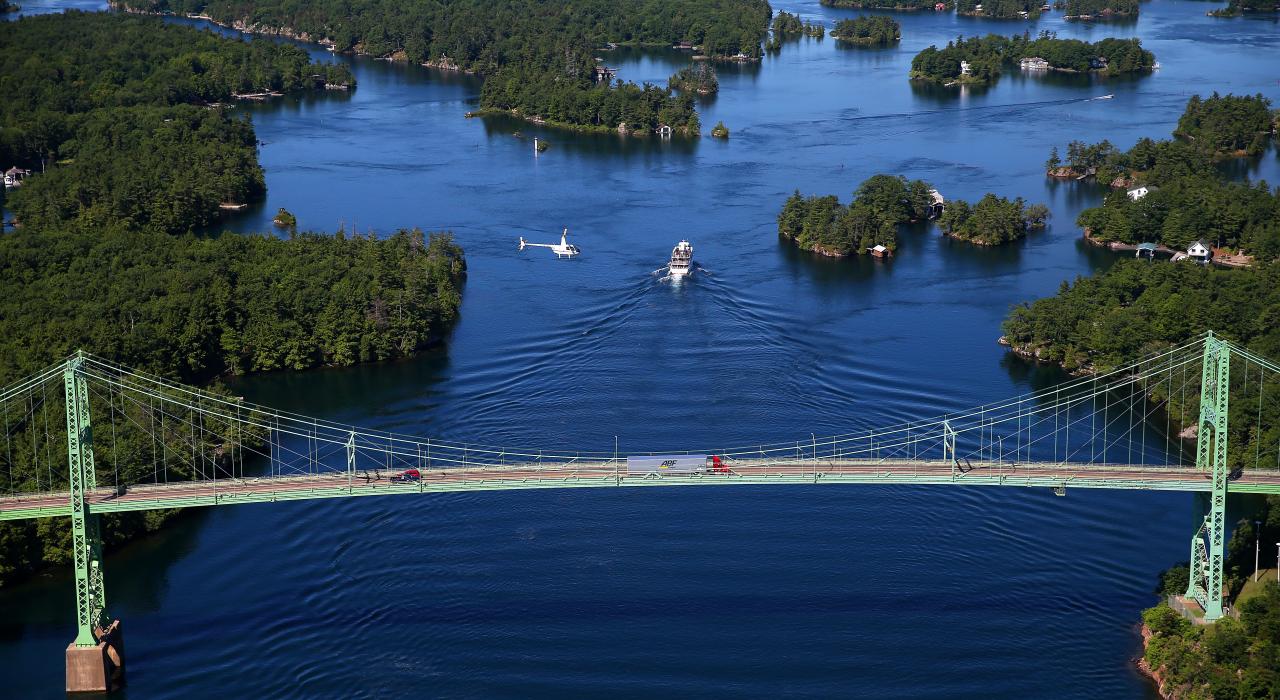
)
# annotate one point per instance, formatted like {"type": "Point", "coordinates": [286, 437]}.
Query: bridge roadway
{"type": "Point", "coordinates": [336, 484]}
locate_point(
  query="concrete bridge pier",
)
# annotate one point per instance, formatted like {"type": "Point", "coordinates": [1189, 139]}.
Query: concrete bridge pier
{"type": "Point", "coordinates": [98, 668]}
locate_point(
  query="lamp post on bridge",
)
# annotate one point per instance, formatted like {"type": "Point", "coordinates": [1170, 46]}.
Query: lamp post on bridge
{"type": "Point", "coordinates": [1257, 546]}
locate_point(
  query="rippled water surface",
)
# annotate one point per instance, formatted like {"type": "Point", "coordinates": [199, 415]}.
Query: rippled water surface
{"type": "Point", "coordinates": [876, 591]}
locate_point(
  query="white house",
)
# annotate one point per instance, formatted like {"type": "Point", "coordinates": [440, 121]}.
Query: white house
{"type": "Point", "coordinates": [1200, 251]}
{"type": "Point", "coordinates": [1034, 63]}
{"type": "Point", "coordinates": [964, 68]}
{"type": "Point", "coordinates": [1139, 192]}
{"type": "Point", "coordinates": [14, 176]}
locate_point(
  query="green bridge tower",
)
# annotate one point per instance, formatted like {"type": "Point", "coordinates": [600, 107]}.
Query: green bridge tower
{"type": "Point", "coordinates": [1205, 572]}
{"type": "Point", "coordinates": [95, 660]}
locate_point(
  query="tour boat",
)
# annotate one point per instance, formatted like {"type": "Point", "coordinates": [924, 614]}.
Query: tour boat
{"type": "Point", "coordinates": [681, 260]}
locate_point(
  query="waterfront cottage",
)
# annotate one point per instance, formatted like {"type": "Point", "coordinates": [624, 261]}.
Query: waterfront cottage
{"type": "Point", "coordinates": [1139, 192]}
{"type": "Point", "coordinates": [605, 74]}
{"type": "Point", "coordinates": [1200, 251]}
{"type": "Point", "coordinates": [1034, 63]}
{"type": "Point", "coordinates": [880, 251]}
{"type": "Point", "coordinates": [1146, 249]}
{"type": "Point", "coordinates": [964, 68]}
{"type": "Point", "coordinates": [14, 176]}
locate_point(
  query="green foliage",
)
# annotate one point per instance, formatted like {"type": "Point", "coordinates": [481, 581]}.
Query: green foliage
{"type": "Point", "coordinates": [874, 30]}
{"type": "Point", "coordinates": [880, 204]}
{"type": "Point", "coordinates": [193, 308]}
{"type": "Point", "coordinates": [900, 5]}
{"type": "Point", "coordinates": [720, 131]}
{"type": "Point", "coordinates": [986, 55]}
{"type": "Point", "coordinates": [1000, 9]}
{"type": "Point", "coordinates": [1137, 307]}
{"type": "Point", "coordinates": [1189, 199]}
{"type": "Point", "coordinates": [700, 77]}
{"type": "Point", "coordinates": [1100, 8]}
{"type": "Point", "coordinates": [574, 99]}
{"type": "Point", "coordinates": [1238, 7]}
{"type": "Point", "coordinates": [786, 23]}
{"type": "Point", "coordinates": [483, 35]}
{"type": "Point", "coordinates": [103, 107]}
{"type": "Point", "coordinates": [1226, 214]}
{"type": "Point", "coordinates": [993, 221]}
{"type": "Point", "coordinates": [1226, 124]}
{"type": "Point", "coordinates": [538, 53]}
{"type": "Point", "coordinates": [1228, 659]}
{"type": "Point", "coordinates": [166, 168]}
{"type": "Point", "coordinates": [285, 219]}
{"type": "Point", "coordinates": [1173, 580]}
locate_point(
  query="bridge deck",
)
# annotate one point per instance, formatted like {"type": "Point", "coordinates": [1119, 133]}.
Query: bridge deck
{"type": "Point", "coordinates": [610, 474]}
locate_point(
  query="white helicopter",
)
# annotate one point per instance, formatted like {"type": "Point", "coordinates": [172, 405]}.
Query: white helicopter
{"type": "Point", "coordinates": [563, 249]}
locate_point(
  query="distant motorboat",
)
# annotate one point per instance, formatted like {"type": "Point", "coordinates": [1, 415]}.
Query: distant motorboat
{"type": "Point", "coordinates": [1105, 97]}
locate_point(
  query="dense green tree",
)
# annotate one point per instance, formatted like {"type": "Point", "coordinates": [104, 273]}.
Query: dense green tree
{"type": "Point", "coordinates": [1189, 198]}
{"type": "Point", "coordinates": [700, 77]}
{"type": "Point", "coordinates": [112, 112]}
{"type": "Point", "coordinates": [1238, 7]}
{"type": "Point", "coordinates": [900, 5]}
{"type": "Point", "coordinates": [1227, 124]}
{"type": "Point", "coordinates": [986, 56]}
{"type": "Point", "coordinates": [537, 53]}
{"type": "Point", "coordinates": [880, 204]}
{"type": "Point", "coordinates": [992, 221]}
{"type": "Point", "coordinates": [872, 30]}
{"type": "Point", "coordinates": [1098, 8]}
{"type": "Point", "coordinates": [1000, 9]}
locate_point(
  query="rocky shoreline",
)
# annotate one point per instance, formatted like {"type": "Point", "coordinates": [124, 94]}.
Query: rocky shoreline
{"type": "Point", "coordinates": [1155, 674]}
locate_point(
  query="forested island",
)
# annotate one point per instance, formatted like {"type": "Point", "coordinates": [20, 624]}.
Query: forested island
{"type": "Point", "coordinates": [115, 135]}
{"type": "Point", "coordinates": [787, 24]}
{"type": "Point", "coordinates": [1098, 9]}
{"type": "Point", "coordinates": [899, 5]}
{"type": "Point", "coordinates": [1185, 197]}
{"type": "Point", "coordinates": [979, 60]}
{"type": "Point", "coordinates": [992, 221]}
{"type": "Point", "coordinates": [573, 99]}
{"type": "Point", "coordinates": [1227, 125]}
{"type": "Point", "coordinates": [1235, 8]}
{"type": "Point", "coordinates": [700, 78]}
{"type": "Point", "coordinates": [131, 160]}
{"type": "Point", "coordinates": [1102, 322]}
{"type": "Point", "coordinates": [880, 204]}
{"type": "Point", "coordinates": [1000, 9]}
{"type": "Point", "coordinates": [869, 30]}
{"type": "Point", "coordinates": [1210, 129]}
{"type": "Point", "coordinates": [537, 55]}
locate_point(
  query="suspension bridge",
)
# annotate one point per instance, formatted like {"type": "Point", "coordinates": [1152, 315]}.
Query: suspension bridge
{"type": "Point", "coordinates": [88, 437]}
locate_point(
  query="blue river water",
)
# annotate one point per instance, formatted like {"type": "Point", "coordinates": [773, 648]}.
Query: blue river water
{"type": "Point", "coordinates": [751, 591]}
